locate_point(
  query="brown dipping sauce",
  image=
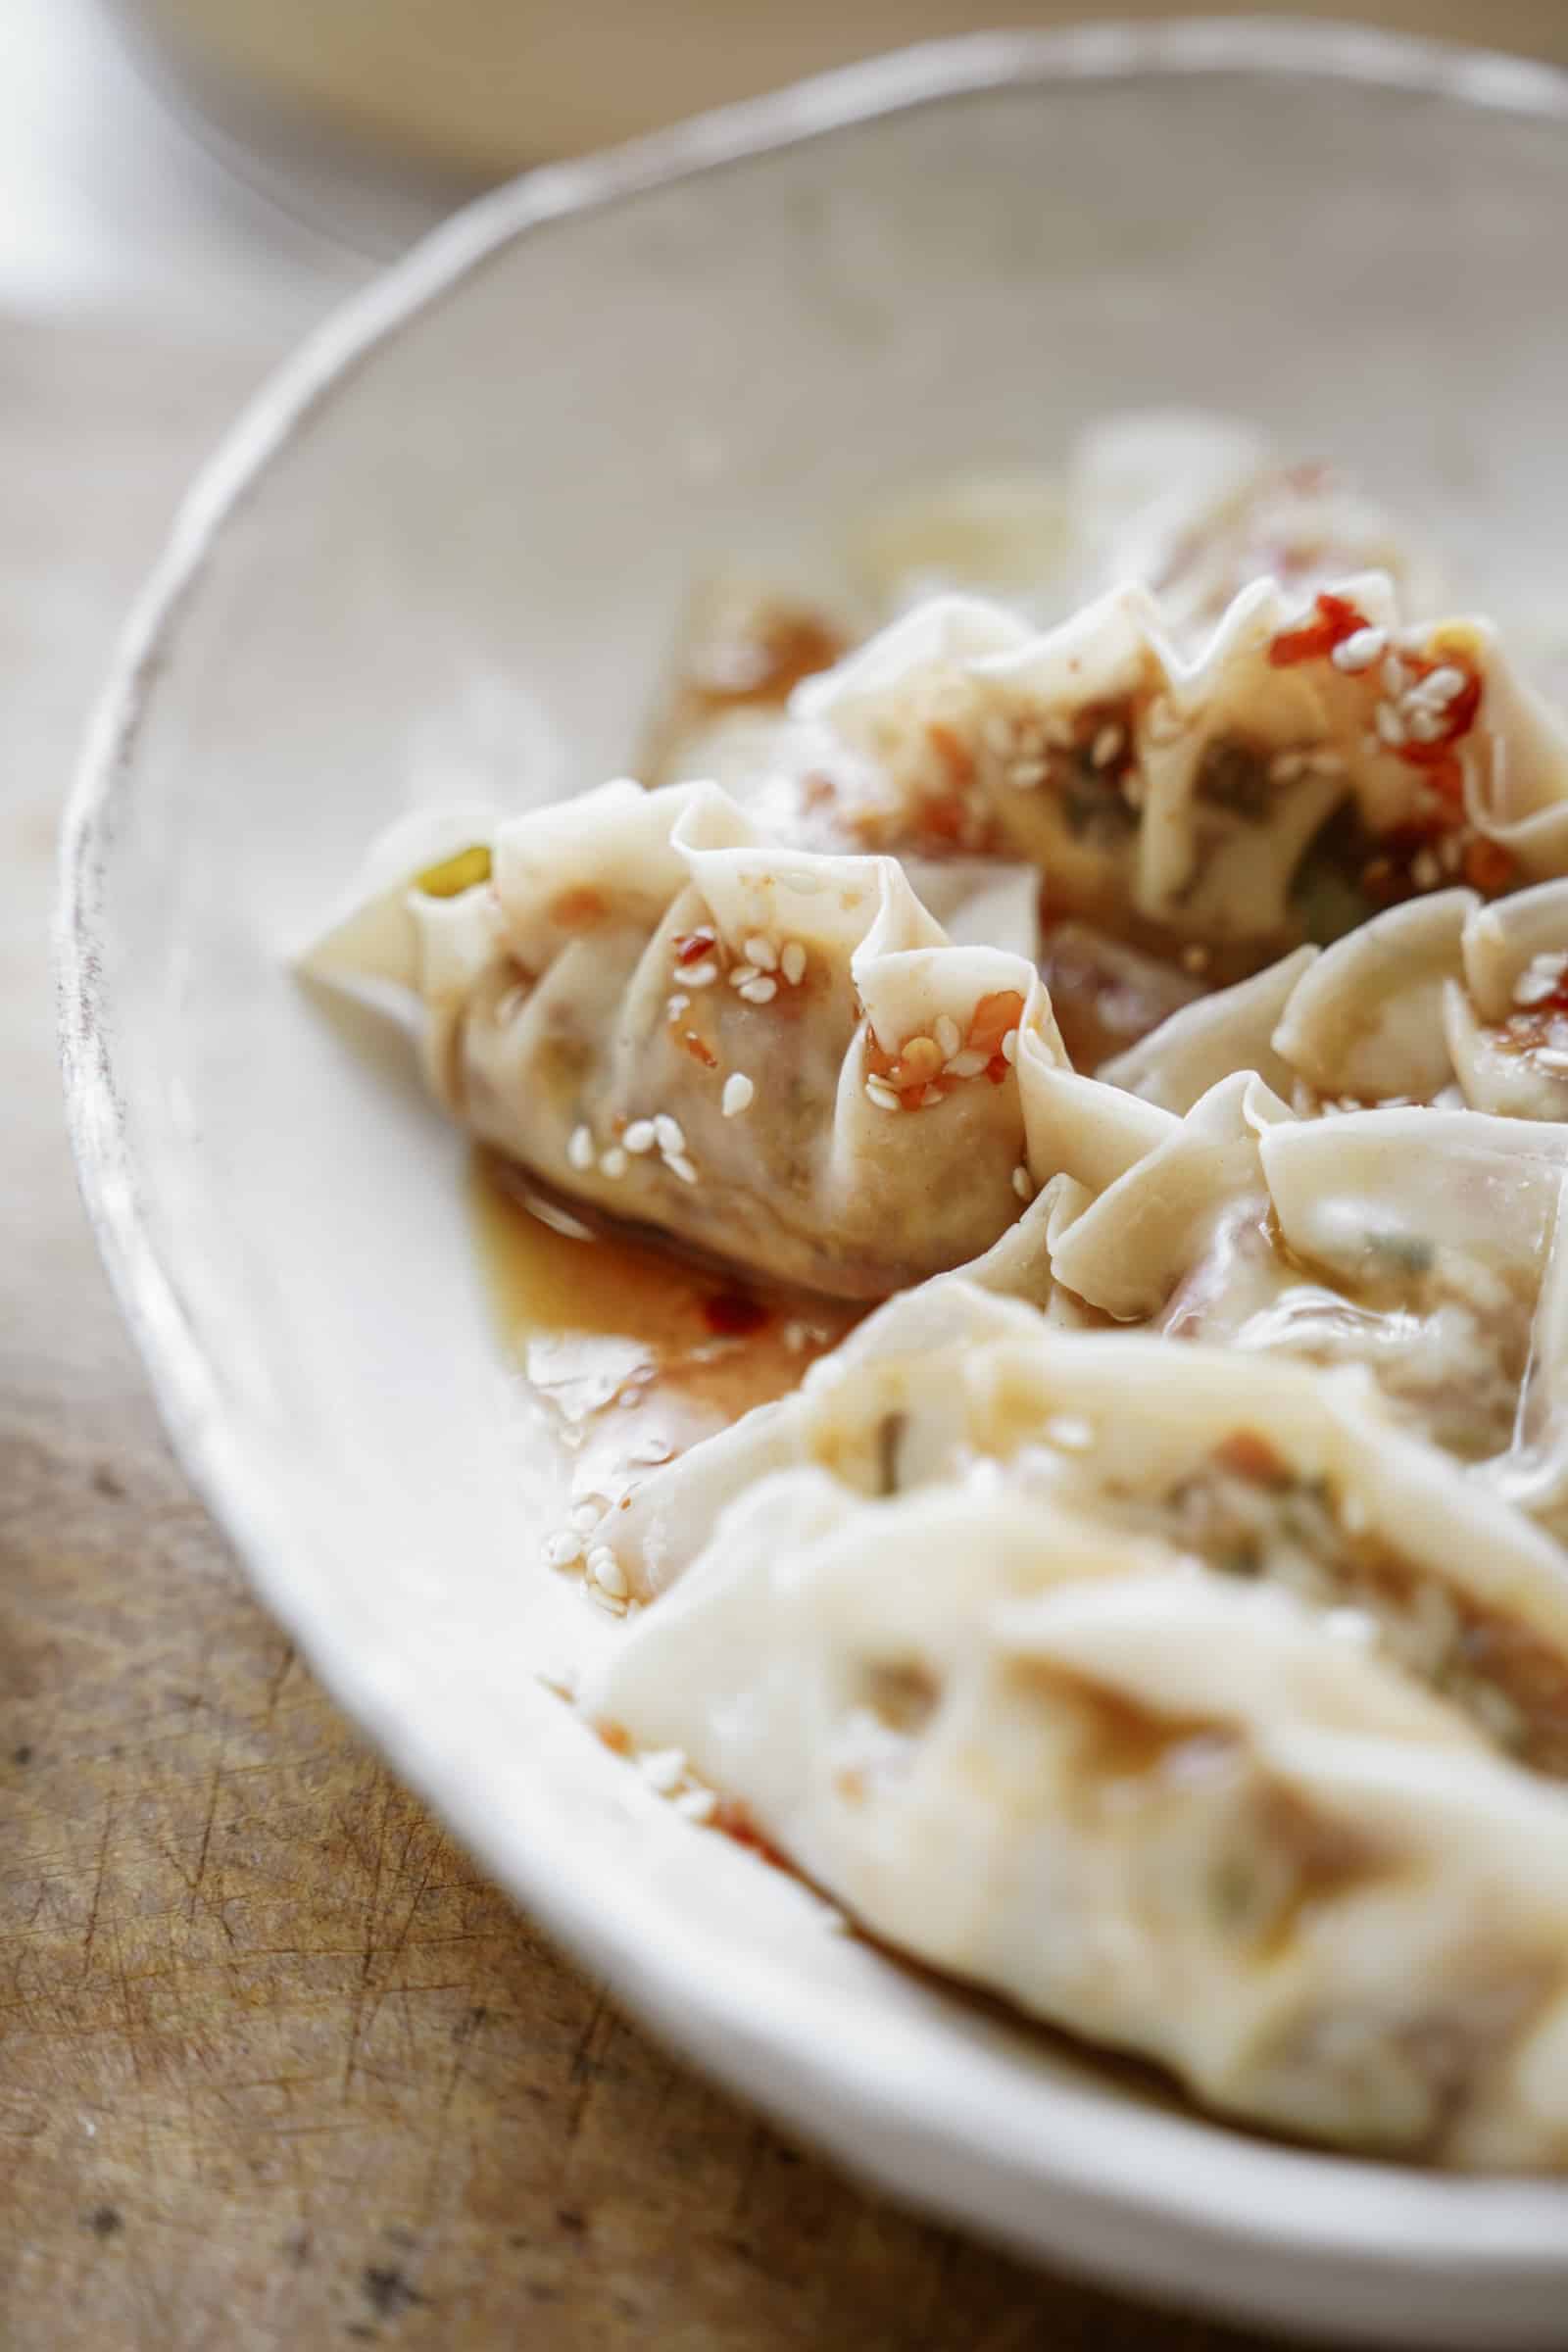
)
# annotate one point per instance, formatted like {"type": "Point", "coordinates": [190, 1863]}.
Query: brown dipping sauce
{"type": "Point", "coordinates": [630, 1347]}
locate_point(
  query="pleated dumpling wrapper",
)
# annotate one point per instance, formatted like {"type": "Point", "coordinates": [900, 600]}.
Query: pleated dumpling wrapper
{"type": "Point", "coordinates": [1206, 1716]}
{"type": "Point", "coordinates": [1445, 999]}
{"type": "Point", "coordinates": [1427, 1246]}
{"type": "Point", "coordinates": [776, 1059]}
{"type": "Point", "coordinates": [1309, 764]}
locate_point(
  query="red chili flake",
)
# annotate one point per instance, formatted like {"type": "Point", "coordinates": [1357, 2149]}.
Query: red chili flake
{"type": "Point", "coordinates": [944, 820]}
{"type": "Point", "coordinates": [699, 1050]}
{"type": "Point", "coordinates": [1336, 620]}
{"type": "Point", "coordinates": [692, 945]}
{"type": "Point", "coordinates": [1251, 1456]}
{"type": "Point", "coordinates": [1458, 718]}
{"type": "Point", "coordinates": [735, 1314]}
{"type": "Point", "coordinates": [994, 1016]}
{"type": "Point", "coordinates": [1488, 867]}
{"type": "Point", "coordinates": [953, 752]}
{"type": "Point", "coordinates": [996, 1068]}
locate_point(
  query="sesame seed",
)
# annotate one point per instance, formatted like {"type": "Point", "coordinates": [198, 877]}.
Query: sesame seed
{"type": "Point", "coordinates": [652, 1451]}
{"type": "Point", "coordinates": [700, 975]}
{"type": "Point", "coordinates": [762, 953]}
{"type": "Point", "coordinates": [741, 973]}
{"type": "Point", "coordinates": [662, 1768]}
{"type": "Point", "coordinates": [697, 1804]}
{"type": "Point", "coordinates": [738, 1094]}
{"type": "Point", "coordinates": [1023, 1184]}
{"type": "Point", "coordinates": [676, 1007]}
{"type": "Point", "coordinates": [607, 1573]}
{"type": "Point", "coordinates": [1425, 871]}
{"type": "Point", "coordinates": [679, 1165]}
{"type": "Point", "coordinates": [1390, 725]}
{"type": "Point", "coordinates": [640, 1136]}
{"type": "Point", "coordinates": [948, 1035]}
{"type": "Point", "coordinates": [1071, 1431]}
{"type": "Point", "coordinates": [1360, 649]}
{"type": "Point", "coordinates": [606, 1600]}
{"type": "Point", "coordinates": [1451, 852]}
{"type": "Point", "coordinates": [1424, 725]}
{"type": "Point", "coordinates": [931, 1097]}
{"type": "Point", "coordinates": [762, 991]}
{"type": "Point", "coordinates": [1009, 1046]}
{"type": "Point", "coordinates": [1553, 1058]}
{"type": "Point", "coordinates": [1325, 763]}
{"type": "Point", "coordinates": [967, 1064]}
{"type": "Point", "coordinates": [881, 1094]}
{"type": "Point", "coordinates": [585, 1516]}
{"type": "Point", "coordinates": [1396, 677]}
{"type": "Point", "coordinates": [580, 1149]}
{"type": "Point", "coordinates": [563, 1549]}
{"type": "Point", "coordinates": [1444, 684]}
{"type": "Point", "coordinates": [670, 1132]}
{"type": "Point", "coordinates": [1106, 745]}
{"type": "Point", "coordinates": [792, 962]}
{"type": "Point", "coordinates": [614, 1162]}
{"type": "Point", "coordinates": [1027, 775]}
{"type": "Point", "coordinates": [799, 878]}
{"type": "Point", "coordinates": [996, 733]}
{"type": "Point", "coordinates": [1286, 767]}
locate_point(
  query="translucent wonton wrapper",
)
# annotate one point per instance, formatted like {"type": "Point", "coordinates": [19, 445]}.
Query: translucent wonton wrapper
{"type": "Point", "coordinates": [1173, 1709]}
{"type": "Point", "coordinates": [1443, 998]}
{"type": "Point", "coordinates": [1425, 1244]}
{"type": "Point", "coordinates": [1187, 793]}
{"type": "Point", "coordinates": [777, 1058]}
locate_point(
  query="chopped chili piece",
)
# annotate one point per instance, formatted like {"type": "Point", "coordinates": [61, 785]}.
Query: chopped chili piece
{"type": "Point", "coordinates": [734, 1313]}
{"type": "Point", "coordinates": [955, 755]}
{"type": "Point", "coordinates": [1488, 867]}
{"type": "Point", "coordinates": [699, 1050]}
{"type": "Point", "coordinates": [692, 945]}
{"type": "Point", "coordinates": [994, 1016]}
{"type": "Point", "coordinates": [1336, 620]}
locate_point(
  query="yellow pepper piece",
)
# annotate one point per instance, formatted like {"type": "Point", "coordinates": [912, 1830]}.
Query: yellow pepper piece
{"type": "Point", "coordinates": [455, 876]}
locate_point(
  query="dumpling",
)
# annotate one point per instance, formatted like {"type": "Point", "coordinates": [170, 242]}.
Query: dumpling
{"type": "Point", "coordinates": [1303, 769]}
{"type": "Point", "coordinates": [1210, 1717]}
{"type": "Point", "coordinates": [1442, 998]}
{"type": "Point", "coordinates": [1423, 1245]}
{"type": "Point", "coordinates": [771, 1056]}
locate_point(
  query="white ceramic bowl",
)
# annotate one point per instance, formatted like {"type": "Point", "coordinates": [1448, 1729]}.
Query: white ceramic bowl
{"type": "Point", "coordinates": [444, 551]}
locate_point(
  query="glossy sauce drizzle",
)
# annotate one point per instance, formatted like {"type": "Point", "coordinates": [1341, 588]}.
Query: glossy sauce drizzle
{"type": "Point", "coordinates": [634, 1353]}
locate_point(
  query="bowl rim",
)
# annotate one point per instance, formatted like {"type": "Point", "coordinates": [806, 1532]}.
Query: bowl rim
{"type": "Point", "coordinates": [1309, 2204]}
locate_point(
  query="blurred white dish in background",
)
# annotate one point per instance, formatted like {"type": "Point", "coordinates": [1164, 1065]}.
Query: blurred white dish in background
{"type": "Point", "coordinates": [467, 518]}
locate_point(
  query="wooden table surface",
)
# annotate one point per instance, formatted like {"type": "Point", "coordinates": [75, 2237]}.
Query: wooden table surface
{"type": "Point", "coordinates": [276, 2064]}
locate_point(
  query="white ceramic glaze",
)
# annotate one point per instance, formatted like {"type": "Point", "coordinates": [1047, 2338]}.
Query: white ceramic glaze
{"type": "Point", "coordinates": [442, 556]}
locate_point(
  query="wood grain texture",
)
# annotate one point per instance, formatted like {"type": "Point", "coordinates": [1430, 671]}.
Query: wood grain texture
{"type": "Point", "coordinates": [278, 2065]}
